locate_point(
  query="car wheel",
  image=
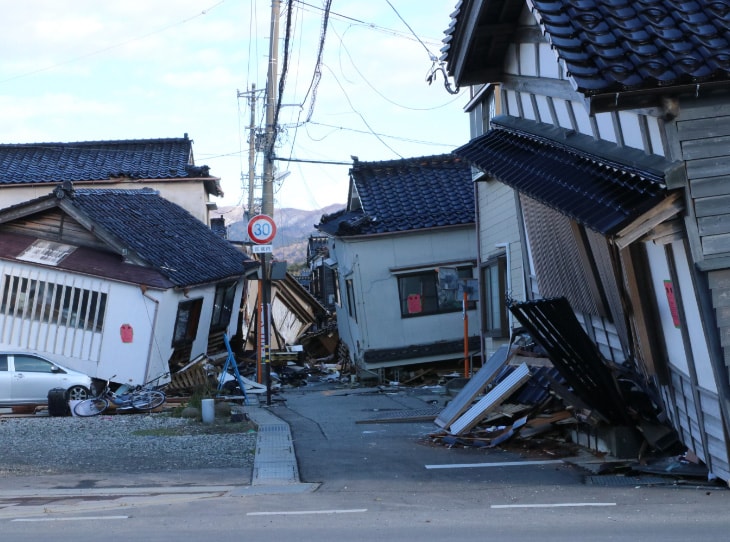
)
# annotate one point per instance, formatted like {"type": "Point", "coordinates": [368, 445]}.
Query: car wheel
{"type": "Point", "coordinates": [77, 393]}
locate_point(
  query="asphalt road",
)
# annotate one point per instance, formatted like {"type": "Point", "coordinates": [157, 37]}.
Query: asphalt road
{"type": "Point", "coordinates": [385, 481]}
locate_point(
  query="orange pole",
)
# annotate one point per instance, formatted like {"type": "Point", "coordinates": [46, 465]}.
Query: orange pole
{"type": "Point", "coordinates": [466, 336]}
{"type": "Point", "coordinates": [259, 338]}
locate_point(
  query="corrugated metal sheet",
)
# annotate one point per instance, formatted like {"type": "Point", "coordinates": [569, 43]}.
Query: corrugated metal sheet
{"type": "Point", "coordinates": [476, 385]}
{"type": "Point", "coordinates": [555, 255]}
{"type": "Point", "coordinates": [492, 399]}
{"type": "Point", "coordinates": [553, 325]}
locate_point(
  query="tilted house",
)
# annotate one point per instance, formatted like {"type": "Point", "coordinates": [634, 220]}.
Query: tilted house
{"type": "Point", "coordinates": [602, 126]}
{"type": "Point", "coordinates": [405, 220]}
{"type": "Point", "coordinates": [118, 284]}
{"type": "Point", "coordinates": [31, 170]}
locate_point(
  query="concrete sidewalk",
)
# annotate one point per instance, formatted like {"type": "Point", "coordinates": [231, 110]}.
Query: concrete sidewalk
{"type": "Point", "coordinates": [275, 467]}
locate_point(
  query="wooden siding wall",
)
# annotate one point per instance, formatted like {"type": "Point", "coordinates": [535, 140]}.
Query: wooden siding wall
{"type": "Point", "coordinates": [55, 226]}
{"type": "Point", "coordinates": [701, 137]}
{"type": "Point", "coordinates": [720, 285]}
{"type": "Point", "coordinates": [703, 436]}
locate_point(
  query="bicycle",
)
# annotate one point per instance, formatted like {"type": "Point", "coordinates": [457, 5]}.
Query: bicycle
{"type": "Point", "coordinates": [142, 399]}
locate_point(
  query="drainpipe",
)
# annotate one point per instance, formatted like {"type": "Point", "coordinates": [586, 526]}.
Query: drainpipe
{"type": "Point", "coordinates": [482, 355]}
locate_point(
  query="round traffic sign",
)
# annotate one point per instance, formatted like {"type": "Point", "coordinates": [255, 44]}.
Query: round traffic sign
{"type": "Point", "coordinates": [261, 229]}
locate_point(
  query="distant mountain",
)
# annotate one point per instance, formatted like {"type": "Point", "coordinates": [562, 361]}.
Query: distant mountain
{"type": "Point", "coordinates": [293, 228]}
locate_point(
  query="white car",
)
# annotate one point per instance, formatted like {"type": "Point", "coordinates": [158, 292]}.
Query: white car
{"type": "Point", "coordinates": [26, 378]}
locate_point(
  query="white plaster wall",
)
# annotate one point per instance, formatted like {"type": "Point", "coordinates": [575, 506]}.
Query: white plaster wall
{"type": "Point", "coordinates": [190, 195]}
{"type": "Point", "coordinates": [631, 129]}
{"type": "Point", "coordinates": [549, 66]}
{"type": "Point", "coordinates": [606, 130]}
{"type": "Point", "coordinates": [691, 318]}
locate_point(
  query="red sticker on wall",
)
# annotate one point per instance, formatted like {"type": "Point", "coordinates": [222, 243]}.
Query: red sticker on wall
{"type": "Point", "coordinates": [669, 289]}
{"type": "Point", "coordinates": [126, 332]}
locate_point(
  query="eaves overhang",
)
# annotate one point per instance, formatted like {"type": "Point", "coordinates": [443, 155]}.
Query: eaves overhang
{"type": "Point", "coordinates": [564, 170]}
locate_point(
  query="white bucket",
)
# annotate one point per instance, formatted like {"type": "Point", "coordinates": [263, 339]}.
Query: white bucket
{"type": "Point", "coordinates": [72, 405]}
{"type": "Point", "coordinates": [207, 410]}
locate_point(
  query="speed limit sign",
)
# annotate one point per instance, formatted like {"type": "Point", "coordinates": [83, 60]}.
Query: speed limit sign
{"type": "Point", "coordinates": [261, 229]}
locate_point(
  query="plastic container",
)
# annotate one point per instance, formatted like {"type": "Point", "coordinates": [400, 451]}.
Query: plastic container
{"type": "Point", "coordinates": [207, 410]}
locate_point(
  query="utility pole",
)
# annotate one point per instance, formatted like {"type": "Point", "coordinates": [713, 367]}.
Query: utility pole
{"type": "Point", "coordinates": [267, 195]}
{"type": "Point", "coordinates": [252, 152]}
{"type": "Point", "coordinates": [253, 203]}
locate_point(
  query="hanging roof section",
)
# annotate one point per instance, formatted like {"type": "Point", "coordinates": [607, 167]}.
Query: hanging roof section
{"type": "Point", "coordinates": [405, 195]}
{"type": "Point", "coordinates": [146, 230]}
{"type": "Point", "coordinates": [606, 46]}
{"type": "Point", "coordinates": [110, 161]}
{"type": "Point", "coordinates": [596, 190]}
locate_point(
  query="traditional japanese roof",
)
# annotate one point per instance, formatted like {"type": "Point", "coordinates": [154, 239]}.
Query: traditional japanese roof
{"type": "Point", "coordinates": [111, 161]}
{"type": "Point", "coordinates": [605, 46]}
{"type": "Point", "coordinates": [405, 195]}
{"type": "Point", "coordinates": [145, 231]}
{"type": "Point", "coordinates": [602, 189]}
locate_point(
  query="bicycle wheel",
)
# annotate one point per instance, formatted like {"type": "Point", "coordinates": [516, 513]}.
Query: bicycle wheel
{"type": "Point", "coordinates": [147, 399]}
{"type": "Point", "coordinates": [91, 407]}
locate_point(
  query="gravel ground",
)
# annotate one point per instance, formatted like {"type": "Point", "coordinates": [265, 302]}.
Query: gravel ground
{"type": "Point", "coordinates": [124, 443]}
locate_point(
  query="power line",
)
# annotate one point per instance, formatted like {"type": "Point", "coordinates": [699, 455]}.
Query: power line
{"type": "Point", "coordinates": [436, 65]}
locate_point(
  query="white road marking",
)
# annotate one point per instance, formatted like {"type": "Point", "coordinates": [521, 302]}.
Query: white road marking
{"type": "Point", "coordinates": [305, 512]}
{"type": "Point", "coordinates": [504, 464]}
{"type": "Point", "coordinates": [86, 518]}
{"type": "Point", "coordinates": [555, 505]}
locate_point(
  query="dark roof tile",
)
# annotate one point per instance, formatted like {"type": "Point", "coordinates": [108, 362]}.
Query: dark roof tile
{"type": "Point", "coordinates": [600, 194]}
{"type": "Point", "coordinates": [162, 233]}
{"type": "Point", "coordinates": [607, 45]}
{"type": "Point", "coordinates": [169, 158]}
{"type": "Point", "coordinates": [405, 195]}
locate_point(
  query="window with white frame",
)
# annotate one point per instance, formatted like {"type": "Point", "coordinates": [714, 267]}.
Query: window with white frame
{"type": "Point", "coordinates": [48, 302]}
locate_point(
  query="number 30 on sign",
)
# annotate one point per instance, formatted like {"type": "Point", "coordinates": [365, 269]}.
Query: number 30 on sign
{"type": "Point", "coordinates": [261, 229]}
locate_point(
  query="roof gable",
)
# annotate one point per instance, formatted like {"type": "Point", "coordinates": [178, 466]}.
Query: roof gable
{"type": "Point", "coordinates": [153, 159]}
{"type": "Point", "coordinates": [405, 195]}
{"type": "Point", "coordinates": [148, 230]}
{"type": "Point", "coordinates": [606, 46]}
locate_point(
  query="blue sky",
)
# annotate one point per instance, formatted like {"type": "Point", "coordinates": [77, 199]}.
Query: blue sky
{"type": "Point", "coordinates": [128, 69]}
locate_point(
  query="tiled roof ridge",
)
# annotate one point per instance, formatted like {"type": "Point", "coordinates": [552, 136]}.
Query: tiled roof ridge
{"type": "Point", "coordinates": [402, 163]}
{"type": "Point", "coordinates": [101, 142]}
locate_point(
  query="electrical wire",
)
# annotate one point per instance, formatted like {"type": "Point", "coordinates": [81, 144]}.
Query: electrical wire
{"type": "Point", "coordinates": [362, 118]}
{"type": "Point", "coordinates": [344, 48]}
{"type": "Point", "coordinates": [436, 65]}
